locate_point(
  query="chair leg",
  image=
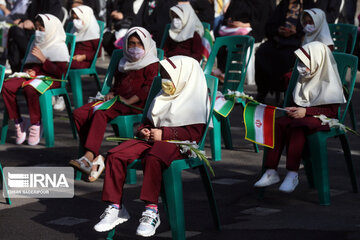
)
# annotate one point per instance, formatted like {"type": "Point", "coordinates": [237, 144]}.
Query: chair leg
{"type": "Point", "coordinates": [97, 80]}
{"type": "Point", "coordinates": [71, 117]}
{"type": "Point", "coordinates": [347, 154]}
{"type": "Point", "coordinates": [319, 160]}
{"type": "Point", "coordinates": [226, 132]}
{"type": "Point", "coordinates": [210, 193]}
{"type": "Point", "coordinates": [5, 127]}
{"type": "Point", "coordinates": [175, 203]}
{"type": "Point", "coordinates": [76, 87]}
{"type": "Point", "coordinates": [261, 191]}
{"type": "Point", "coordinates": [131, 176]}
{"type": "Point", "coordinates": [308, 168]}
{"type": "Point", "coordinates": [215, 140]}
{"type": "Point", "coordinates": [47, 118]}
{"type": "Point", "coordinates": [6, 193]}
{"type": "Point", "coordinates": [111, 234]}
{"type": "Point", "coordinates": [352, 116]}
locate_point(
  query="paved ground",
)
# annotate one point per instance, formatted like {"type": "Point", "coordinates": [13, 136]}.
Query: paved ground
{"type": "Point", "coordinates": [278, 216]}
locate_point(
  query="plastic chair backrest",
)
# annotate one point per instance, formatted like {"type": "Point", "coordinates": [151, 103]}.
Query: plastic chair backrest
{"type": "Point", "coordinates": [166, 32]}
{"type": "Point", "coordinates": [343, 35]}
{"type": "Point", "coordinates": [239, 49]}
{"type": "Point", "coordinates": [2, 76]}
{"type": "Point", "coordinates": [114, 62]}
{"type": "Point", "coordinates": [212, 84]}
{"type": "Point", "coordinates": [70, 25]}
{"type": "Point", "coordinates": [70, 42]}
{"type": "Point", "coordinates": [344, 63]}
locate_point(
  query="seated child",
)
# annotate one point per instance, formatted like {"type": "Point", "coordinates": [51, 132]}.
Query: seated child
{"type": "Point", "coordinates": [318, 91]}
{"type": "Point", "coordinates": [49, 56]}
{"type": "Point", "coordinates": [316, 27]}
{"type": "Point", "coordinates": [87, 32]}
{"type": "Point", "coordinates": [178, 112]}
{"type": "Point", "coordinates": [133, 79]}
{"type": "Point", "coordinates": [185, 33]}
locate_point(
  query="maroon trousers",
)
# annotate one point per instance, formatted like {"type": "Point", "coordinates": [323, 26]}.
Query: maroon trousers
{"type": "Point", "coordinates": [91, 125]}
{"type": "Point", "coordinates": [9, 91]}
{"type": "Point", "coordinates": [291, 133]}
{"type": "Point", "coordinates": [154, 158]}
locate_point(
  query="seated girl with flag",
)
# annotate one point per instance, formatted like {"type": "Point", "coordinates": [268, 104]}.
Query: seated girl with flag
{"type": "Point", "coordinates": [133, 79]}
{"type": "Point", "coordinates": [318, 91]}
{"type": "Point", "coordinates": [185, 33]}
{"type": "Point", "coordinates": [87, 32]}
{"type": "Point", "coordinates": [178, 112]}
{"type": "Point", "coordinates": [49, 57]}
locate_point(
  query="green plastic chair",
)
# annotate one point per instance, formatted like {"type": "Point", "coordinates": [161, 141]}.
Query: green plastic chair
{"type": "Point", "coordinates": [344, 37]}
{"type": "Point", "coordinates": [239, 49]}
{"type": "Point", "coordinates": [315, 155]}
{"type": "Point", "coordinates": [8, 200]}
{"type": "Point", "coordinates": [46, 101]}
{"type": "Point", "coordinates": [75, 74]}
{"type": "Point", "coordinates": [172, 192]}
{"type": "Point", "coordinates": [166, 32]}
{"type": "Point", "coordinates": [122, 125]}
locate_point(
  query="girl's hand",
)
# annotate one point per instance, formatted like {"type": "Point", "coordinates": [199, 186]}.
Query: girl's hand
{"type": "Point", "coordinates": [31, 72]}
{"type": "Point", "coordinates": [156, 134]}
{"type": "Point", "coordinates": [109, 96]}
{"type": "Point", "coordinates": [38, 54]}
{"type": "Point", "coordinates": [79, 58]}
{"type": "Point", "coordinates": [296, 112]}
{"type": "Point", "coordinates": [144, 133]}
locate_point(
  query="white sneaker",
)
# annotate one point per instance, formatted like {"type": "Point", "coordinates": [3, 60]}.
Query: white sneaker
{"type": "Point", "coordinates": [60, 104]}
{"type": "Point", "coordinates": [21, 129]}
{"type": "Point", "coordinates": [111, 218]}
{"type": "Point", "coordinates": [149, 222]}
{"type": "Point", "coordinates": [268, 178]}
{"type": "Point", "coordinates": [290, 182]}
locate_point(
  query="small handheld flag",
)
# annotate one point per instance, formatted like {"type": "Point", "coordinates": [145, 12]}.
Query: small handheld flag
{"type": "Point", "coordinates": [259, 123]}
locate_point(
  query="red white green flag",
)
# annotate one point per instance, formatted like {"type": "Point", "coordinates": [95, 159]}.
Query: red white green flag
{"type": "Point", "coordinates": [259, 123]}
{"type": "Point", "coordinates": [39, 84]}
{"type": "Point", "coordinates": [207, 42]}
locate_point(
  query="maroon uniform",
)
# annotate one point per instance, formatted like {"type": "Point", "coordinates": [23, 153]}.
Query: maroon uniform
{"type": "Point", "coordinates": [11, 86]}
{"type": "Point", "coordinates": [89, 49]}
{"type": "Point", "coordinates": [91, 125]}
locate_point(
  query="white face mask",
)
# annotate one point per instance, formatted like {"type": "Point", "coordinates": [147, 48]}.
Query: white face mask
{"type": "Point", "coordinates": [39, 36]}
{"type": "Point", "coordinates": [78, 24]}
{"type": "Point", "coordinates": [177, 23]}
{"type": "Point", "coordinates": [309, 28]}
{"type": "Point", "coordinates": [303, 70]}
{"type": "Point", "coordinates": [136, 53]}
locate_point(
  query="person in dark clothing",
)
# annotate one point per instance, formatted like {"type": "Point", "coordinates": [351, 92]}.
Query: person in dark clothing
{"type": "Point", "coordinates": [275, 57]}
{"type": "Point", "coordinates": [330, 7]}
{"type": "Point", "coordinates": [19, 35]}
{"type": "Point", "coordinates": [154, 15]}
{"type": "Point", "coordinates": [204, 9]}
{"type": "Point", "coordinates": [119, 17]}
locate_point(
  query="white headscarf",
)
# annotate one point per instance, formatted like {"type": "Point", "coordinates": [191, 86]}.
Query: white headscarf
{"type": "Point", "coordinates": [323, 86]}
{"type": "Point", "coordinates": [53, 47]}
{"type": "Point", "coordinates": [191, 23]}
{"type": "Point", "coordinates": [322, 32]}
{"type": "Point", "coordinates": [91, 29]}
{"type": "Point", "coordinates": [190, 102]}
{"type": "Point", "coordinates": [149, 46]}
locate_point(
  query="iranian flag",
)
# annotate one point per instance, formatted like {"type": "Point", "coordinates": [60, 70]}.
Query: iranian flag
{"type": "Point", "coordinates": [104, 105]}
{"type": "Point", "coordinates": [207, 42]}
{"type": "Point", "coordinates": [259, 123]}
{"type": "Point", "coordinates": [40, 85]}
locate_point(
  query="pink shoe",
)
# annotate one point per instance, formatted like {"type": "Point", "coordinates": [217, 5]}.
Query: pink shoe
{"type": "Point", "coordinates": [34, 135]}
{"type": "Point", "coordinates": [21, 129]}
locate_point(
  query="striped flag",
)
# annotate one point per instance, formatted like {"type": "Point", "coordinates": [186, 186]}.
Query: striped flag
{"type": "Point", "coordinates": [40, 85]}
{"type": "Point", "coordinates": [207, 42]}
{"type": "Point", "coordinates": [259, 123]}
{"type": "Point", "coordinates": [104, 105]}
{"type": "Point", "coordinates": [222, 105]}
